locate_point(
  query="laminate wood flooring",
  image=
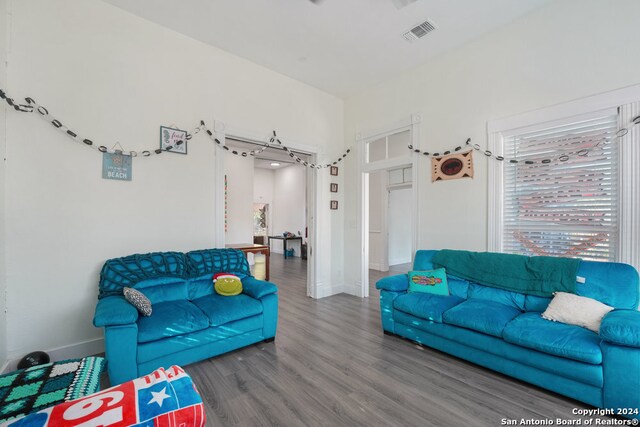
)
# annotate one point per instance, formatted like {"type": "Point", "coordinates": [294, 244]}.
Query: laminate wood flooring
{"type": "Point", "coordinates": [331, 365]}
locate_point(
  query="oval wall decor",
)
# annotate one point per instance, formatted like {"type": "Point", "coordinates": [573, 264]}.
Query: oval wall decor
{"type": "Point", "coordinates": [451, 166]}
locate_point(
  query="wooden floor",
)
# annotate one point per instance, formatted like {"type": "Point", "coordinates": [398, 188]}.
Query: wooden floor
{"type": "Point", "coordinates": [331, 365]}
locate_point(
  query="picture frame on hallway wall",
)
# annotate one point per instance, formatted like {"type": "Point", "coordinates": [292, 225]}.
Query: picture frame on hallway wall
{"type": "Point", "coordinates": [334, 205]}
{"type": "Point", "coordinates": [334, 171]}
{"type": "Point", "coordinates": [174, 138]}
{"type": "Point", "coordinates": [334, 187]}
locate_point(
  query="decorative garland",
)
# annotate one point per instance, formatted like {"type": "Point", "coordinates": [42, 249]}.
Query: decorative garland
{"type": "Point", "coordinates": [563, 157]}
{"type": "Point", "coordinates": [31, 106]}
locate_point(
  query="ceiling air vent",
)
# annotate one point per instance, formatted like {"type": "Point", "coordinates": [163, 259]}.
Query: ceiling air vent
{"type": "Point", "coordinates": [419, 31]}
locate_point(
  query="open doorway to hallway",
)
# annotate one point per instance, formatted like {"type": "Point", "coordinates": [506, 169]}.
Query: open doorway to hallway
{"type": "Point", "coordinates": [267, 209]}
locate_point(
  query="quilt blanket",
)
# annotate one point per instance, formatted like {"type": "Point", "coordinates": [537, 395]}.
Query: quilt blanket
{"type": "Point", "coordinates": [32, 389]}
{"type": "Point", "coordinates": [164, 398]}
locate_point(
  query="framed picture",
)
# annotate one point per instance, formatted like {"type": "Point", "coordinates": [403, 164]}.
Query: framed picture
{"type": "Point", "coordinates": [334, 188]}
{"type": "Point", "coordinates": [334, 170]}
{"type": "Point", "coordinates": [334, 205]}
{"type": "Point", "coordinates": [173, 140]}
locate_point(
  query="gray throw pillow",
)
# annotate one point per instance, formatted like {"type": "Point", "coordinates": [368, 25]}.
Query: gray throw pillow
{"type": "Point", "coordinates": [138, 300]}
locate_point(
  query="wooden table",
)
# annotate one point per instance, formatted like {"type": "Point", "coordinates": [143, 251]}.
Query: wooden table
{"type": "Point", "coordinates": [254, 249]}
{"type": "Point", "coordinates": [284, 242]}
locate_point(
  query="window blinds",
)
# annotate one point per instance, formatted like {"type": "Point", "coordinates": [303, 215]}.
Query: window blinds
{"type": "Point", "coordinates": [563, 208]}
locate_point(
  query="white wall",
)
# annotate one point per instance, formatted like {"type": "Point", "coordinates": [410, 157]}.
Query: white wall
{"type": "Point", "coordinates": [116, 77]}
{"type": "Point", "coordinates": [3, 84]}
{"type": "Point", "coordinates": [288, 213]}
{"type": "Point", "coordinates": [567, 50]}
{"type": "Point", "coordinates": [263, 181]}
{"type": "Point", "coordinates": [239, 171]}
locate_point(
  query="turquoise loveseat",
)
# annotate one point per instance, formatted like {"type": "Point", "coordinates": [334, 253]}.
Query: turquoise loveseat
{"type": "Point", "coordinates": [503, 330]}
{"type": "Point", "coordinates": [189, 322]}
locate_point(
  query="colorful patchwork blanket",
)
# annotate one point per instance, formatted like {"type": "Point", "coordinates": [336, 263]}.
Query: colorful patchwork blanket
{"type": "Point", "coordinates": [164, 398]}
{"type": "Point", "coordinates": [32, 389]}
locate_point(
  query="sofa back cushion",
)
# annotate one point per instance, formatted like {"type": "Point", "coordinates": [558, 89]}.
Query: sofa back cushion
{"type": "Point", "coordinates": [211, 261]}
{"type": "Point", "coordinates": [611, 283]}
{"type": "Point", "coordinates": [163, 289]}
{"type": "Point", "coordinates": [502, 296]}
{"type": "Point", "coordinates": [128, 271]}
{"type": "Point", "coordinates": [200, 286]}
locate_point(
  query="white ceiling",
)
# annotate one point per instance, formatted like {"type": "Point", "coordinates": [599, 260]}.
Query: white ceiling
{"type": "Point", "coordinates": [339, 46]}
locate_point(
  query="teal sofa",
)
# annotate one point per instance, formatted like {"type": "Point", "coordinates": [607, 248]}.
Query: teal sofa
{"type": "Point", "coordinates": [503, 330]}
{"type": "Point", "coordinates": [189, 322]}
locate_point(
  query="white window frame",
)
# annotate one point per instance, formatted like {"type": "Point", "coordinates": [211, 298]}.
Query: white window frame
{"type": "Point", "coordinates": [628, 102]}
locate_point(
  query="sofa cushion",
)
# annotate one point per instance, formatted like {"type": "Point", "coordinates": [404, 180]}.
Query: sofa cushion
{"type": "Point", "coordinates": [502, 296]}
{"type": "Point", "coordinates": [162, 289]}
{"type": "Point", "coordinates": [220, 310]}
{"type": "Point", "coordinates": [426, 306]}
{"type": "Point", "coordinates": [200, 286]}
{"type": "Point", "coordinates": [458, 287]}
{"type": "Point", "coordinates": [536, 303]}
{"type": "Point", "coordinates": [572, 342]}
{"type": "Point", "coordinates": [488, 317]}
{"type": "Point", "coordinates": [170, 319]}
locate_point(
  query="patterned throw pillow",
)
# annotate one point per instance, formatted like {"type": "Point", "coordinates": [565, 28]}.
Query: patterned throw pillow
{"type": "Point", "coordinates": [138, 300]}
{"type": "Point", "coordinates": [430, 281]}
{"type": "Point", "coordinates": [227, 284]}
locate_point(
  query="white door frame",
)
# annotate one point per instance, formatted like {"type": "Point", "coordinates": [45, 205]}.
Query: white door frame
{"type": "Point", "coordinates": [222, 131]}
{"type": "Point", "coordinates": [412, 123]}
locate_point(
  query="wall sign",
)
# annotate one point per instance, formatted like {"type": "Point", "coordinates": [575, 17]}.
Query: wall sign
{"type": "Point", "coordinates": [174, 138]}
{"type": "Point", "coordinates": [334, 205]}
{"type": "Point", "coordinates": [116, 166]}
{"type": "Point", "coordinates": [334, 171]}
{"type": "Point", "coordinates": [453, 166]}
{"type": "Point", "coordinates": [334, 187]}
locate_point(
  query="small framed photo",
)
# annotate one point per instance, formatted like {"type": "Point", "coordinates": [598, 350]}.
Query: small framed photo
{"type": "Point", "coordinates": [334, 187]}
{"type": "Point", "coordinates": [173, 140]}
{"type": "Point", "coordinates": [334, 205]}
{"type": "Point", "coordinates": [334, 171]}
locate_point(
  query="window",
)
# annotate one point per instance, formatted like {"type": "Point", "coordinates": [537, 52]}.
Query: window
{"type": "Point", "coordinates": [389, 147]}
{"type": "Point", "coordinates": [400, 176]}
{"type": "Point", "coordinates": [586, 205]}
{"type": "Point", "coordinates": [568, 204]}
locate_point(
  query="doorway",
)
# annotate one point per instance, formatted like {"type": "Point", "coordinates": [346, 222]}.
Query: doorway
{"type": "Point", "coordinates": [390, 193]}
{"type": "Point", "coordinates": [386, 153]}
{"type": "Point", "coordinates": [269, 201]}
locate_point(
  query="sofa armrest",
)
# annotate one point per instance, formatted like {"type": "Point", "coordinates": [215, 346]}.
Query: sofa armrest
{"type": "Point", "coordinates": [621, 327]}
{"type": "Point", "coordinates": [399, 283]}
{"type": "Point", "coordinates": [114, 311]}
{"type": "Point", "coordinates": [257, 288]}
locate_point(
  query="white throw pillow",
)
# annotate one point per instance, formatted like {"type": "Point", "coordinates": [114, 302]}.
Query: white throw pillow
{"type": "Point", "coordinates": [576, 310]}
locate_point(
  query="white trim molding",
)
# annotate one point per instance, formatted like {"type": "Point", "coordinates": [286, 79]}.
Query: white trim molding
{"type": "Point", "coordinates": [629, 208]}
{"type": "Point", "coordinates": [495, 228]}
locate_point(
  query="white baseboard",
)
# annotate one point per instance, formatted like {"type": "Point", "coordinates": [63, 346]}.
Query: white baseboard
{"type": "Point", "coordinates": [324, 291]}
{"type": "Point", "coordinates": [73, 351]}
{"type": "Point", "coordinates": [378, 266]}
{"type": "Point", "coordinates": [355, 289]}
{"type": "Point", "coordinates": [400, 261]}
